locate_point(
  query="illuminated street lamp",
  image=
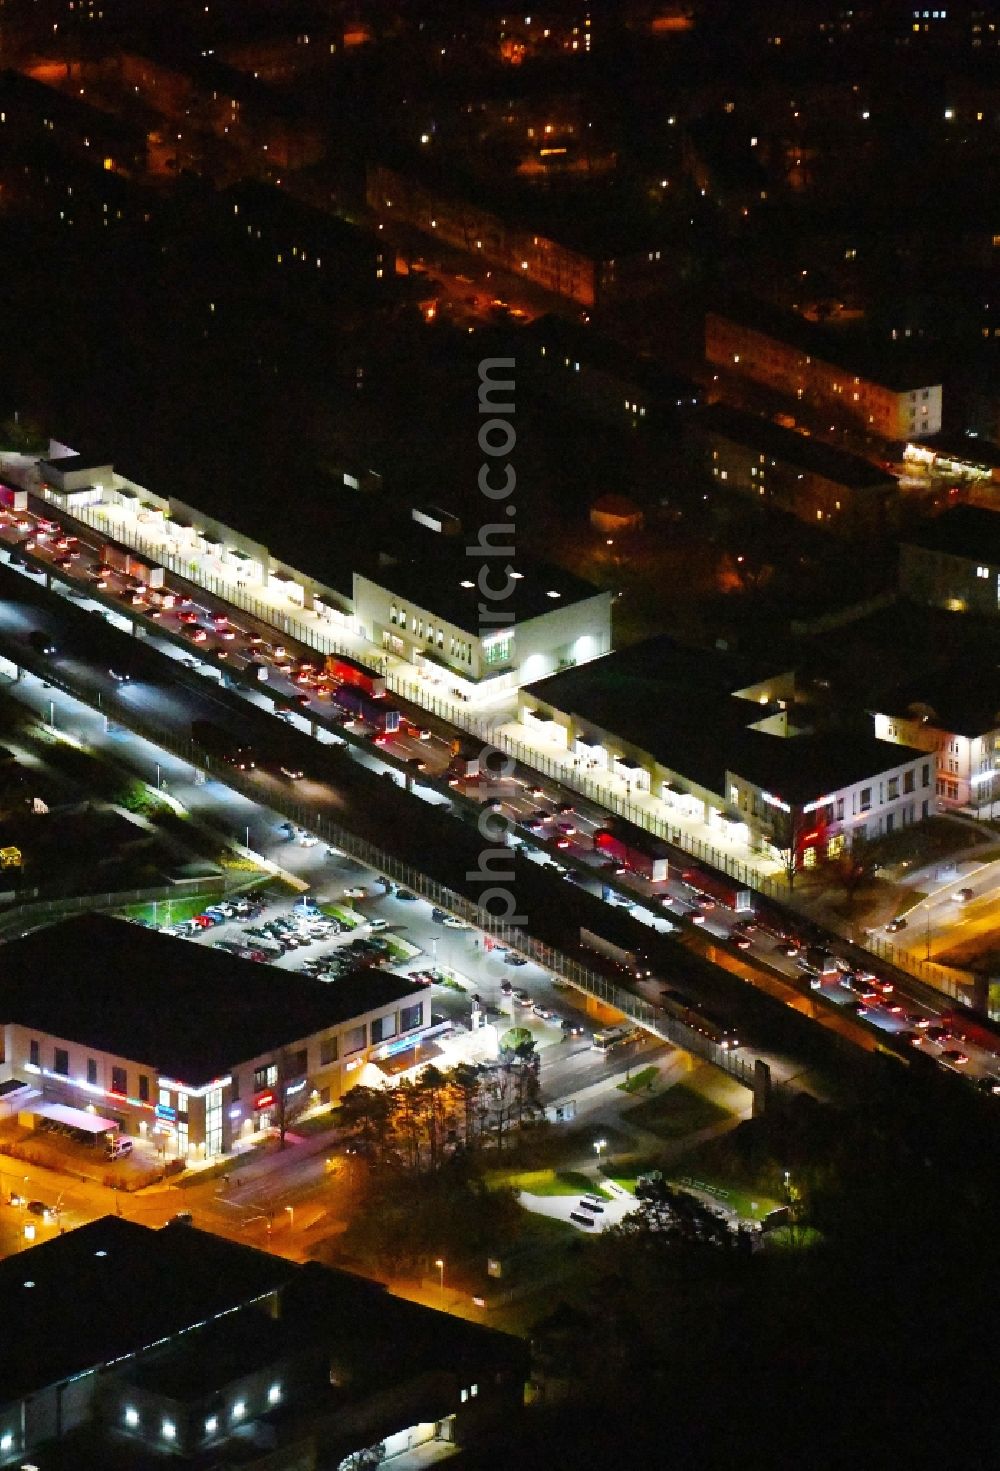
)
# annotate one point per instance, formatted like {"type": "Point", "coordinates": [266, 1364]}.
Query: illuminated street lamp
{"type": "Point", "coordinates": [439, 1263]}
{"type": "Point", "coordinates": [599, 1146]}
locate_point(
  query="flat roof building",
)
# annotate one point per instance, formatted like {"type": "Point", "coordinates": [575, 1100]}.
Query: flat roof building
{"type": "Point", "coordinates": [953, 562]}
{"type": "Point", "coordinates": [722, 740]}
{"type": "Point", "coordinates": [132, 1343]}
{"type": "Point", "coordinates": [481, 623]}
{"type": "Point", "coordinates": [784, 352]}
{"type": "Point", "coordinates": [189, 1043]}
{"type": "Point", "coordinates": [813, 481]}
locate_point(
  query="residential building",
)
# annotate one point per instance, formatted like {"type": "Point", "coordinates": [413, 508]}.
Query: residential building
{"type": "Point", "coordinates": [728, 742]}
{"type": "Point", "coordinates": [304, 247]}
{"type": "Point", "coordinates": [133, 1344]}
{"type": "Point", "coordinates": [185, 1043]}
{"type": "Point", "coordinates": [589, 372]}
{"type": "Point", "coordinates": [954, 714]}
{"type": "Point", "coordinates": [785, 353]}
{"type": "Point", "coordinates": [588, 267]}
{"type": "Point", "coordinates": [813, 481]}
{"type": "Point", "coordinates": [953, 562]}
{"type": "Point", "coordinates": [33, 112]}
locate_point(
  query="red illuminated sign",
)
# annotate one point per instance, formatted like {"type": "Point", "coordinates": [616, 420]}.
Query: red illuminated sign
{"type": "Point", "coordinates": [263, 1100]}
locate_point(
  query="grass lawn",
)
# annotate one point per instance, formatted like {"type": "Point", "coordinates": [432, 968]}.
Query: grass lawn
{"type": "Point", "coordinates": [401, 949]}
{"type": "Point", "coordinates": [644, 1078]}
{"type": "Point", "coordinates": [449, 982]}
{"type": "Point", "coordinates": [171, 911]}
{"type": "Point", "coordinates": [348, 917]}
{"type": "Point", "coordinates": [547, 1182]}
{"type": "Point", "coordinates": [679, 1111]}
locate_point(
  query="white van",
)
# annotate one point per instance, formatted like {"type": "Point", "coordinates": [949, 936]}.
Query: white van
{"type": "Point", "coordinates": [116, 1146]}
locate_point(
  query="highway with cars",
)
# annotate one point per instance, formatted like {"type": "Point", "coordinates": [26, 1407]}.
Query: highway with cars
{"type": "Point", "coordinates": [221, 654]}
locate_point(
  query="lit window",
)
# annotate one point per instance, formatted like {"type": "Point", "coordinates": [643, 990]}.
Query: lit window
{"type": "Point", "coordinates": [6, 1441]}
{"type": "Point", "coordinates": [982, 572]}
{"type": "Point", "coordinates": [274, 1394]}
{"type": "Point", "coordinates": [474, 1390]}
{"type": "Point", "coordinates": [464, 1395]}
{"type": "Point", "coordinates": [131, 1417]}
{"type": "Point", "coordinates": [211, 1424]}
{"type": "Point", "coordinates": [169, 1430]}
{"type": "Point", "coordinates": [239, 1409]}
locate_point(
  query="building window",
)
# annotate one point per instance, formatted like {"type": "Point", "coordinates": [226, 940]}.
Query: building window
{"type": "Point", "coordinates": [840, 809]}
{"type": "Point", "coordinates": [909, 781]}
{"type": "Point", "coordinates": [169, 1430]}
{"type": "Point", "coordinates": [926, 775]}
{"type": "Point", "coordinates": [164, 1097]}
{"type": "Point", "coordinates": [34, 1053]}
{"type": "Point", "coordinates": [265, 1077]}
{"type": "Point", "coordinates": [297, 1064]}
{"type": "Point", "coordinates": [143, 1088]}
{"type": "Point", "coordinates": [892, 789]}
{"type": "Point", "coordinates": [411, 1016]}
{"type": "Point", "coordinates": [866, 799]}
{"type": "Point", "coordinates": [982, 572]}
{"type": "Point", "coordinates": [383, 1027]}
{"type": "Point", "coordinates": [498, 650]}
{"type": "Point", "coordinates": [354, 1040]}
{"type": "Point", "coordinates": [92, 1071]}
{"type": "Point", "coordinates": [213, 1123]}
{"type": "Point", "coordinates": [60, 1062]}
{"type": "Point", "coordinates": [211, 1424]}
{"type": "Point", "coordinates": [119, 1081]}
{"type": "Point", "coordinates": [131, 1417]}
{"type": "Point", "coordinates": [234, 1092]}
{"type": "Point", "coordinates": [327, 1051]}
{"type": "Point", "coordinates": [274, 1395]}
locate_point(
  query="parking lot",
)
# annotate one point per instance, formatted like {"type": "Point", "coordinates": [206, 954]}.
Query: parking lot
{"type": "Point", "coordinates": [354, 918]}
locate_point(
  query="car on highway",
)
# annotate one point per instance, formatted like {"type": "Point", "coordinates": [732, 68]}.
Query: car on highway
{"type": "Point", "coordinates": [899, 923]}
{"type": "Point", "coordinates": [512, 958]}
{"type": "Point", "coordinates": [940, 1035]}
{"type": "Point", "coordinates": [571, 1027]}
{"type": "Point", "coordinates": [952, 1056]}
{"type": "Point", "coordinates": [39, 1208]}
{"type": "Point", "coordinates": [451, 923]}
{"type": "Point", "coordinates": [544, 1013]}
{"type": "Point", "coordinates": [964, 895]}
{"type": "Point", "coordinates": [406, 896]}
{"type": "Point", "coordinates": [916, 1019]}
{"type": "Point", "coordinates": [42, 643]}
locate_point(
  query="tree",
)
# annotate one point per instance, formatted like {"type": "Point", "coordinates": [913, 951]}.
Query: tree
{"type": "Point", "coordinates": [370, 1113]}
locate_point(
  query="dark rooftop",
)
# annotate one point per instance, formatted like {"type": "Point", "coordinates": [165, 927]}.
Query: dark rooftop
{"type": "Point", "coordinates": [965, 531]}
{"type": "Point", "coordinates": [92, 1295]}
{"type": "Point", "coordinates": [663, 697]}
{"type": "Point", "coordinates": [901, 369]}
{"type": "Point", "coordinates": [190, 1011]}
{"type": "Point", "coordinates": [785, 445]}
{"type": "Point", "coordinates": [584, 344]}
{"type": "Point", "coordinates": [114, 1288]}
{"type": "Point", "coordinates": [805, 768]}
{"type": "Point", "coordinates": [963, 698]}
{"type": "Point", "coordinates": [442, 580]}
{"type": "Point", "coordinates": [966, 447]}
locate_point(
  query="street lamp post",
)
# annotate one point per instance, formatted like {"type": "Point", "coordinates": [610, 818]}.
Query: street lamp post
{"type": "Point", "coordinates": [599, 1146]}
{"type": "Point", "coordinates": [439, 1263]}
